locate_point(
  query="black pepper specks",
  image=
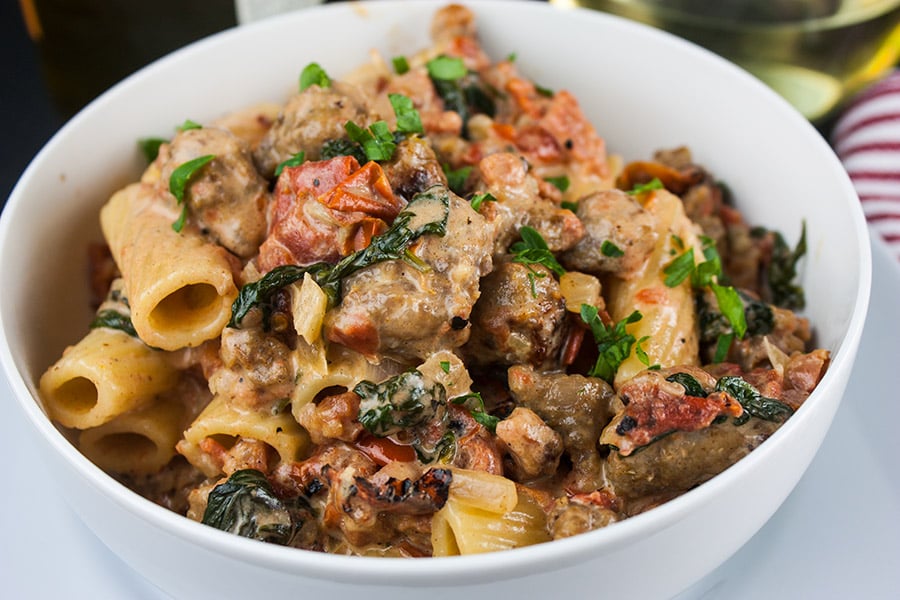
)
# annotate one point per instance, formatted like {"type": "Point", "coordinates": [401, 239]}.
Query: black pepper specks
{"type": "Point", "coordinates": [625, 425]}
{"type": "Point", "coordinates": [457, 323]}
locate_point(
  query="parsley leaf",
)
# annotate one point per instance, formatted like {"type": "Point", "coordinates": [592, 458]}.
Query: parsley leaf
{"type": "Point", "coordinates": [178, 181]}
{"type": "Point", "coordinates": [679, 269]}
{"type": "Point", "coordinates": [401, 65]}
{"type": "Point", "coordinates": [723, 343]}
{"type": "Point", "coordinates": [408, 119]}
{"type": "Point", "coordinates": [188, 125]}
{"type": "Point", "coordinates": [294, 161]}
{"type": "Point", "coordinates": [478, 411]}
{"type": "Point", "coordinates": [607, 248]}
{"type": "Point", "coordinates": [613, 343]}
{"type": "Point", "coordinates": [653, 184]}
{"type": "Point", "coordinates": [561, 183]}
{"type": "Point", "coordinates": [314, 74]}
{"type": "Point", "coordinates": [456, 178]}
{"type": "Point", "coordinates": [377, 141]}
{"type": "Point", "coordinates": [731, 306]}
{"type": "Point", "coordinates": [532, 249]}
{"type": "Point", "coordinates": [150, 147]}
{"type": "Point", "coordinates": [446, 68]}
{"type": "Point", "coordinates": [479, 199]}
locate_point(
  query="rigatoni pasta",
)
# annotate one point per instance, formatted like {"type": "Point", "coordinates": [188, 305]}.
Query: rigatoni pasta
{"type": "Point", "coordinates": [180, 287]}
{"type": "Point", "coordinates": [420, 311]}
{"type": "Point", "coordinates": [138, 442]}
{"type": "Point", "coordinates": [106, 374]}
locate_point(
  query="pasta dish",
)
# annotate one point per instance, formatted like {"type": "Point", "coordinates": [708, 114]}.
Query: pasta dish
{"type": "Point", "coordinates": [419, 309]}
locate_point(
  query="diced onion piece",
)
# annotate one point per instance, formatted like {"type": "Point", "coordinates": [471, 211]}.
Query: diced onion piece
{"type": "Point", "coordinates": [580, 288]}
{"type": "Point", "coordinates": [776, 356]}
{"type": "Point", "coordinates": [308, 305]}
{"type": "Point", "coordinates": [484, 491]}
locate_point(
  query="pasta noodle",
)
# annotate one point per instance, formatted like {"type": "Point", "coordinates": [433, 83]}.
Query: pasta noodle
{"type": "Point", "coordinates": [225, 423]}
{"type": "Point", "coordinates": [139, 442]}
{"type": "Point", "coordinates": [104, 375]}
{"type": "Point", "coordinates": [476, 518]}
{"type": "Point", "coordinates": [668, 325]}
{"type": "Point", "coordinates": [180, 286]}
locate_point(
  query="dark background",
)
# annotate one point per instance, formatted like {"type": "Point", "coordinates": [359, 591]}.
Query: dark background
{"type": "Point", "coordinates": [87, 46]}
{"type": "Point", "coordinates": [28, 117]}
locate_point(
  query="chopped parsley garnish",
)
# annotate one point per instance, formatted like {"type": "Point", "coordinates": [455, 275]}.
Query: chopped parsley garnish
{"type": "Point", "coordinates": [181, 176]}
{"type": "Point", "coordinates": [607, 248]}
{"type": "Point", "coordinates": [456, 178]}
{"type": "Point", "coordinates": [717, 328]}
{"type": "Point", "coordinates": [408, 119]}
{"type": "Point", "coordinates": [446, 68]}
{"type": "Point", "coordinates": [573, 206]}
{"type": "Point", "coordinates": [723, 344]}
{"type": "Point", "coordinates": [511, 57]}
{"type": "Point", "coordinates": [445, 366]}
{"type": "Point", "coordinates": [543, 91]}
{"type": "Point", "coordinates": [343, 147]}
{"type": "Point", "coordinates": [294, 161]}
{"type": "Point", "coordinates": [561, 183]}
{"type": "Point", "coordinates": [613, 343]}
{"type": "Point", "coordinates": [401, 65]}
{"type": "Point", "coordinates": [653, 184]}
{"type": "Point", "coordinates": [393, 244]}
{"type": "Point", "coordinates": [188, 125]}
{"type": "Point", "coordinates": [314, 74]}
{"type": "Point", "coordinates": [150, 147]}
{"type": "Point", "coordinates": [479, 199]}
{"type": "Point", "coordinates": [711, 268]}
{"type": "Point", "coordinates": [642, 354]}
{"type": "Point", "coordinates": [731, 306]}
{"type": "Point", "coordinates": [377, 141]}
{"type": "Point", "coordinates": [532, 249]}
{"type": "Point", "coordinates": [679, 269]}
{"type": "Point", "coordinates": [475, 403]}
{"type": "Point", "coordinates": [461, 92]}
{"type": "Point", "coordinates": [704, 275]}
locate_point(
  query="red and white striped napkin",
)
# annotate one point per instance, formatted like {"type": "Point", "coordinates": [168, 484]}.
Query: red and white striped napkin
{"type": "Point", "coordinates": [866, 138]}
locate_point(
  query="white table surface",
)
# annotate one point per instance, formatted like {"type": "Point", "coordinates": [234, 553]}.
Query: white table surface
{"type": "Point", "coordinates": [836, 536]}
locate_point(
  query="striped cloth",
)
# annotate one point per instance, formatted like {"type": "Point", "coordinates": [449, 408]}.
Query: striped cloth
{"type": "Point", "coordinates": [866, 138]}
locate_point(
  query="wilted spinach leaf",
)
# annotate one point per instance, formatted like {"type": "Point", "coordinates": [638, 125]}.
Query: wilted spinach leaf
{"type": "Point", "coordinates": [246, 505]}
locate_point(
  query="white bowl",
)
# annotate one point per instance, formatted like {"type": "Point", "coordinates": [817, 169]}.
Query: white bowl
{"type": "Point", "coordinates": [642, 89]}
